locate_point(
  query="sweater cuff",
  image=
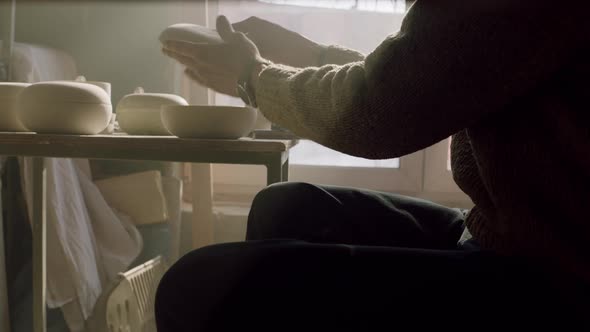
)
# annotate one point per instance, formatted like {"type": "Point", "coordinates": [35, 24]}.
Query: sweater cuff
{"type": "Point", "coordinates": [272, 94]}
{"type": "Point", "coordinates": [338, 55]}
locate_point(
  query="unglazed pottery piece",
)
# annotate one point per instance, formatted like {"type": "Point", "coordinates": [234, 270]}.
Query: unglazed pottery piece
{"type": "Point", "coordinates": [190, 33]}
{"type": "Point", "coordinates": [64, 107]}
{"type": "Point", "coordinates": [209, 122]}
{"type": "Point", "coordinates": [139, 113]}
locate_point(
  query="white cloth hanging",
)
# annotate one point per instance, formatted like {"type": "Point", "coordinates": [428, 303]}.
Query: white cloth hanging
{"type": "Point", "coordinates": [88, 243]}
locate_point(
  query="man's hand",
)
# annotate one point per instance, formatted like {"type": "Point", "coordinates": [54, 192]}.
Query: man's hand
{"type": "Point", "coordinates": [216, 66]}
{"type": "Point", "coordinates": [280, 45]}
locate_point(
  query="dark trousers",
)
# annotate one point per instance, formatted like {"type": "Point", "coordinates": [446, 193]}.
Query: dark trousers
{"type": "Point", "coordinates": [334, 259]}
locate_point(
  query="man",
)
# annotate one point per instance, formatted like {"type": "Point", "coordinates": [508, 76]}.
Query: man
{"type": "Point", "coordinates": [507, 80]}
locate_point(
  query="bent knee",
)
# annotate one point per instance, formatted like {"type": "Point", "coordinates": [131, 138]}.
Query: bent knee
{"type": "Point", "coordinates": [278, 198]}
{"type": "Point", "coordinates": [286, 210]}
{"type": "Point", "coordinates": [285, 190]}
{"type": "Point", "coordinates": [281, 196]}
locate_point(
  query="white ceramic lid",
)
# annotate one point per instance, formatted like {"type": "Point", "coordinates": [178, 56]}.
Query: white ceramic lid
{"type": "Point", "coordinates": [9, 90]}
{"type": "Point", "coordinates": [149, 101]}
{"type": "Point", "coordinates": [191, 33]}
{"type": "Point", "coordinates": [66, 92]}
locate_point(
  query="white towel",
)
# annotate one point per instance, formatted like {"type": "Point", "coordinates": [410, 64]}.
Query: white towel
{"type": "Point", "coordinates": [87, 242]}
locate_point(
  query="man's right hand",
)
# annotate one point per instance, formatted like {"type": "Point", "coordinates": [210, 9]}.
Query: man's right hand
{"type": "Point", "coordinates": [280, 45]}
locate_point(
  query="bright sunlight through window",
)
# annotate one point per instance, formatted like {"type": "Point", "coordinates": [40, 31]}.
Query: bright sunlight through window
{"type": "Point", "coordinates": [386, 6]}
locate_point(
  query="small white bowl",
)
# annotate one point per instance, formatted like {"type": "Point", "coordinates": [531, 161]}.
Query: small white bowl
{"type": "Point", "coordinates": [209, 122]}
{"type": "Point", "coordinates": [139, 113]}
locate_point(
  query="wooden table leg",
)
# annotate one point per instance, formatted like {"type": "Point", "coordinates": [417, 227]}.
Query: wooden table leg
{"type": "Point", "coordinates": [277, 169]}
{"type": "Point", "coordinates": [285, 174]}
{"type": "Point", "coordinates": [4, 311]}
{"type": "Point", "coordinates": [39, 244]}
{"type": "Point", "coordinates": [274, 173]}
{"type": "Point", "coordinates": [203, 225]}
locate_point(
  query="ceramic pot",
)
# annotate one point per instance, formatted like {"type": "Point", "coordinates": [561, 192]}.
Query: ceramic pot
{"type": "Point", "coordinates": [64, 107]}
{"type": "Point", "coordinates": [139, 113]}
{"type": "Point", "coordinates": [209, 122]}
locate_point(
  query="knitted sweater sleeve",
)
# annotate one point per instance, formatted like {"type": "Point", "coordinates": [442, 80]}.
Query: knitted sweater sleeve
{"type": "Point", "coordinates": [450, 66]}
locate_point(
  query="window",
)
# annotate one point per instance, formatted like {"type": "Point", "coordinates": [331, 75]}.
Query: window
{"type": "Point", "coordinates": [385, 6]}
{"type": "Point", "coordinates": [312, 154]}
{"type": "Point", "coordinates": [310, 161]}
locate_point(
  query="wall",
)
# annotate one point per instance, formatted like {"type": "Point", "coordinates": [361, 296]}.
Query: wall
{"type": "Point", "coordinates": [111, 41]}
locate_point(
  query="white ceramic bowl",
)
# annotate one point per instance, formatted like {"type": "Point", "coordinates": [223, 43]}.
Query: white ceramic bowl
{"type": "Point", "coordinates": [209, 122]}
{"type": "Point", "coordinates": [139, 113]}
{"type": "Point", "coordinates": [62, 107]}
{"type": "Point", "coordinates": [9, 120]}
{"type": "Point", "coordinates": [106, 86]}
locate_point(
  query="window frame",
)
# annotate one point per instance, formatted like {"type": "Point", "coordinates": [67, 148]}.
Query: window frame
{"type": "Point", "coordinates": [407, 178]}
{"type": "Point", "coordinates": [437, 176]}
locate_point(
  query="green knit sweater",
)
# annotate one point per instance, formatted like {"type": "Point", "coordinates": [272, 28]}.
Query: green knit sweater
{"type": "Point", "coordinates": [509, 79]}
